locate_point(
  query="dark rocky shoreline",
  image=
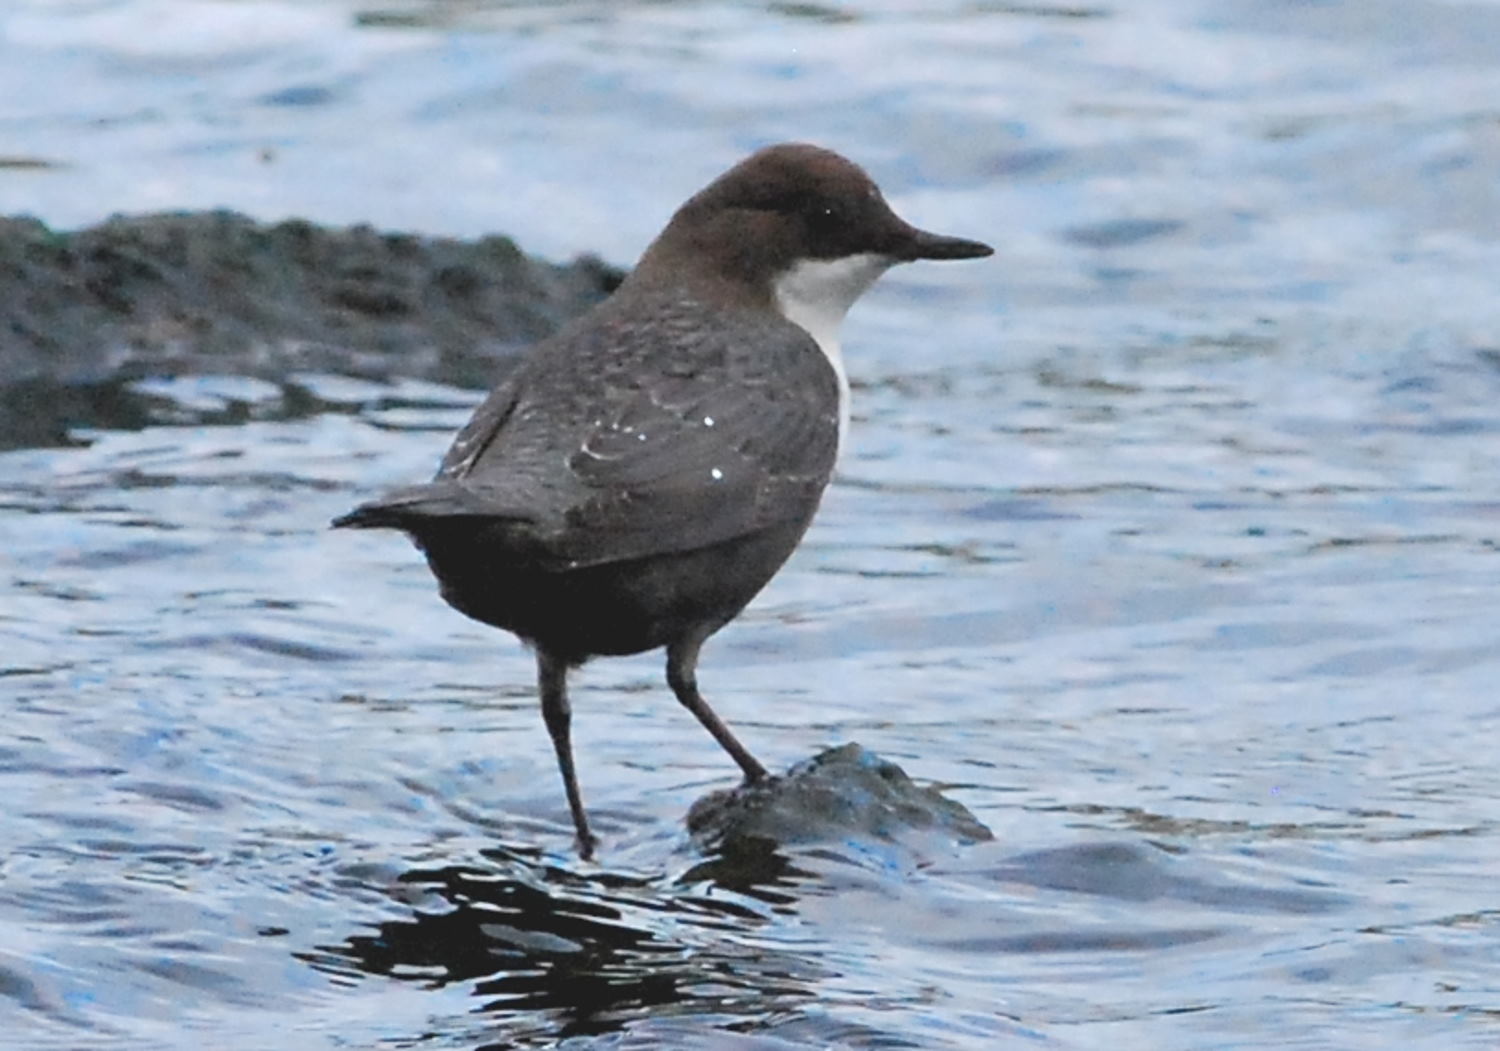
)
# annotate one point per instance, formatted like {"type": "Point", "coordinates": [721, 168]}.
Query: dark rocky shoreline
{"type": "Point", "coordinates": [84, 314]}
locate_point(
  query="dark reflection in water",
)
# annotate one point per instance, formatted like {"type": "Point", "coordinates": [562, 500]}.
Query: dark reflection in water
{"type": "Point", "coordinates": [552, 953]}
{"type": "Point", "coordinates": [43, 413]}
{"type": "Point", "coordinates": [587, 955]}
{"type": "Point", "coordinates": [570, 952]}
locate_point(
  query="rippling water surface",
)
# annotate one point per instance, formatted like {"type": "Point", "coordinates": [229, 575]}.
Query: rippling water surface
{"type": "Point", "coordinates": [1167, 544]}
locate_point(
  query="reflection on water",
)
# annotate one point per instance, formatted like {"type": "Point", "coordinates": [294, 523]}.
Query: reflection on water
{"type": "Point", "coordinates": [555, 954]}
{"type": "Point", "coordinates": [552, 953]}
{"type": "Point", "coordinates": [1173, 557]}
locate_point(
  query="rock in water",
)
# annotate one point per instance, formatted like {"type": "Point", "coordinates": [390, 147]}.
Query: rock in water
{"type": "Point", "coordinates": [839, 795]}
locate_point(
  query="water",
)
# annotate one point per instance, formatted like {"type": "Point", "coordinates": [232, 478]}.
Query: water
{"type": "Point", "coordinates": [1167, 544]}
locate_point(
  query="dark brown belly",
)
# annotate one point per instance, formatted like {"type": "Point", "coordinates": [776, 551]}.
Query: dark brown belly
{"type": "Point", "coordinates": [611, 609]}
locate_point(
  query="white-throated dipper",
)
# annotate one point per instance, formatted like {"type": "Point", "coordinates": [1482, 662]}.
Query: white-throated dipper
{"type": "Point", "coordinates": [642, 474]}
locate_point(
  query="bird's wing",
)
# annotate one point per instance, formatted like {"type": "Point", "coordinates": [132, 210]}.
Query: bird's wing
{"type": "Point", "coordinates": [449, 496]}
{"type": "Point", "coordinates": [471, 442]}
{"type": "Point", "coordinates": [622, 443]}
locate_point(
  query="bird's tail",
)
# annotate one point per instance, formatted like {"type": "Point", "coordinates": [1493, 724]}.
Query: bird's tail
{"type": "Point", "coordinates": [373, 515]}
{"type": "Point", "coordinates": [414, 505]}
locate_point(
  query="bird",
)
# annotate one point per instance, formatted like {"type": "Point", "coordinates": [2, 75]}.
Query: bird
{"type": "Point", "coordinates": [641, 474]}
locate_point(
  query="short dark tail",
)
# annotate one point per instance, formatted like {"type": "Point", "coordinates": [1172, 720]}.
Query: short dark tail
{"type": "Point", "coordinates": [368, 516]}
{"type": "Point", "coordinates": [417, 505]}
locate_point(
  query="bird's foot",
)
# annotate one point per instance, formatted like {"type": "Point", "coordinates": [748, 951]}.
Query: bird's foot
{"type": "Point", "coordinates": [586, 842]}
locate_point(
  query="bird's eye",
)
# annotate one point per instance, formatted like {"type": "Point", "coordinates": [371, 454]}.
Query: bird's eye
{"type": "Point", "coordinates": [824, 217]}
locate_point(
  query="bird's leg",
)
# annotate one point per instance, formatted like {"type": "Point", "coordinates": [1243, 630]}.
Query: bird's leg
{"type": "Point", "coordinates": [552, 682]}
{"type": "Point", "coordinates": [682, 676]}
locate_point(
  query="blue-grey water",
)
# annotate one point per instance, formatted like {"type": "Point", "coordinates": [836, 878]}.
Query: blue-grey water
{"type": "Point", "coordinates": [1168, 543]}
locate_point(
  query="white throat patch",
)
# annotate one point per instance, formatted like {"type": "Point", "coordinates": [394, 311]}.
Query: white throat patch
{"type": "Point", "coordinates": [815, 294]}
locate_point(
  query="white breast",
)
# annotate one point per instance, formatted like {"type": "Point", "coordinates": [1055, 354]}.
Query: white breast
{"type": "Point", "coordinates": [815, 294]}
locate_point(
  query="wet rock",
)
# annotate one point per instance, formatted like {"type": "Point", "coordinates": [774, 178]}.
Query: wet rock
{"type": "Point", "coordinates": [218, 291]}
{"type": "Point", "coordinates": [841, 795]}
{"type": "Point", "coordinates": [84, 313]}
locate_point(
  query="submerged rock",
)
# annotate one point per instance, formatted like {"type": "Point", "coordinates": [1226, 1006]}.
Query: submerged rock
{"type": "Point", "coordinates": [842, 795]}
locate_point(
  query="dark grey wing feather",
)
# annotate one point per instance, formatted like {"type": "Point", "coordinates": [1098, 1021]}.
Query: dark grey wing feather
{"type": "Point", "coordinates": [664, 430]}
{"type": "Point", "coordinates": [450, 495]}
{"type": "Point", "coordinates": [470, 443]}
{"type": "Point", "coordinates": [673, 481]}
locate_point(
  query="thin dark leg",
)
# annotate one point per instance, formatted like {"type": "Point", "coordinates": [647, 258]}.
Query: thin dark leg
{"type": "Point", "coordinates": [552, 681]}
{"type": "Point", "coordinates": [682, 676]}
